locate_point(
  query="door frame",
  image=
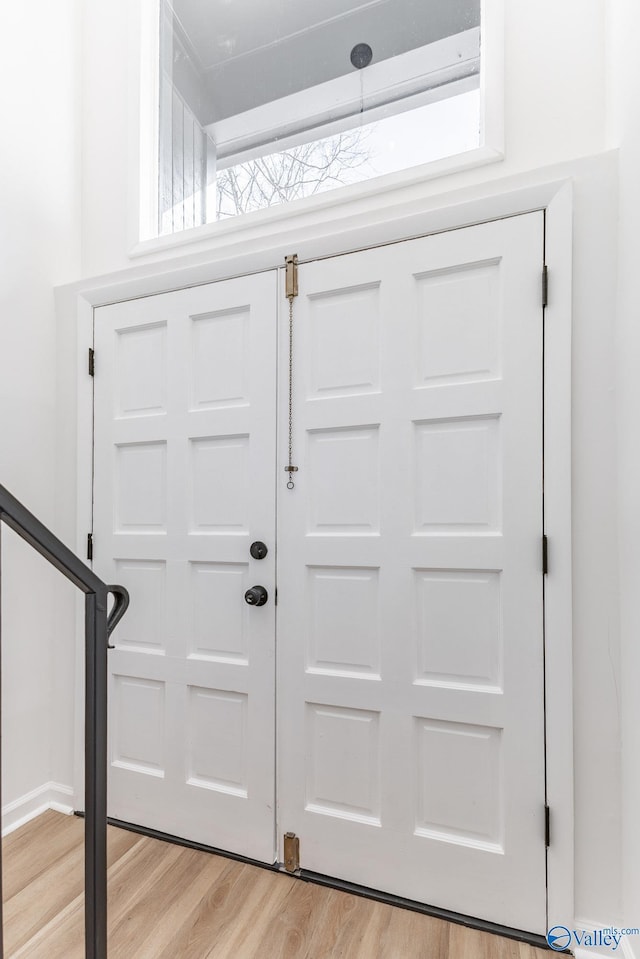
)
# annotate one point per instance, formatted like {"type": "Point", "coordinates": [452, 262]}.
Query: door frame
{"type": "Point", "coordinates": [462, 208]}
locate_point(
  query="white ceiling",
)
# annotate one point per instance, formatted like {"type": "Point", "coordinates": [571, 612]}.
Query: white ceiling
{"type": "Point", "coordinates": [249, 52]}
{"type": "Point", "coordinates": [222, 29]}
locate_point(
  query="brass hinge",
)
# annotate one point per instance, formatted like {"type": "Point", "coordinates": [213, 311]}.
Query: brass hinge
{"type": "Point", "coordinates": [291, 276]}
{"type": "Point", "coordinates": [545, 555]}
{"type": "Point", "coordinates": [90, 546]}
{"type": "Point", "coordinates": [291, 852]}
{"type": "Point", "coordinates": [545, 285]}
{"type": "Point", "coordinates": [547, 829]}
{"type": "Point", "coordinates": [92, 362]}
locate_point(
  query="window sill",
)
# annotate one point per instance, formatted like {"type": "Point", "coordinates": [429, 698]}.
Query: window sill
{"type": "Point", "coordinates": [315, 210]}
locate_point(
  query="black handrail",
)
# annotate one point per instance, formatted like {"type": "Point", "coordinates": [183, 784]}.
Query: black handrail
{"type": "Point", "coordinates": [98, 627]}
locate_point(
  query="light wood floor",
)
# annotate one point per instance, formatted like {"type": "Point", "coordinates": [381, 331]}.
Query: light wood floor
{"type": "Point", "coordinates": [169, 902]}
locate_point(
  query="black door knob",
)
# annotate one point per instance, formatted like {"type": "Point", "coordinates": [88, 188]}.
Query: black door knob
{"type": "Point", "coordinates": [258, 550]}
{"type": "Point", "coordinates": [256, 596]}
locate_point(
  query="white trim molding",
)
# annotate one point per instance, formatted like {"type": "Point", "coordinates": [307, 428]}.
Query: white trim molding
{"type": "Point", "coordinates": [50, 795]}
{"type": "Point", "coordinates": [379, 192]}
{"type": "Point", "coordinates": [558, 581]}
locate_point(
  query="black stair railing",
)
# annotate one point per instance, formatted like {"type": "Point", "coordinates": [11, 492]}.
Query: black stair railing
{"type": "Point", "coordinates": [99, 624]}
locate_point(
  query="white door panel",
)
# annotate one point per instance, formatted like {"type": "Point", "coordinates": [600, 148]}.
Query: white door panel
{"type": "Point", "coordinates": [410, 587]}
{"type": "Point", "coordinates": [184, 482]}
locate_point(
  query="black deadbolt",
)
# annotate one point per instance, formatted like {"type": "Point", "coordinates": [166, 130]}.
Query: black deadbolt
{"type": "Point", "coordinates": [258, 550]}
{"type": "Point", "coordinates": [256, 596]}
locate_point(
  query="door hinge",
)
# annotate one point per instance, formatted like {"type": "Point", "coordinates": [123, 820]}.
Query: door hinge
{"type": "Point", "coordinates": [545, 555]}
{"type": "Point", "coordinates": [92, 362]}
{"type": "Point", "coordinates": [291, 276]}
{"type": "Point", "coordinates": [291, 852]}
{"type": "Point", "coordinates": [545, 285]}
{"type": "Point", "coordinates": [547, 829]}
{"type": "Point", "coordinates": [90, 546]}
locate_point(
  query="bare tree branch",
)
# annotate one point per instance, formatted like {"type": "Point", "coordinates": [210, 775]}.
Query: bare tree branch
{"type": "Point", "coordinates": [298, 172]}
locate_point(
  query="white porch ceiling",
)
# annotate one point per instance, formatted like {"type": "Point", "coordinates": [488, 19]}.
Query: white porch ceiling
{"type": "Point", "coordinates": [220, 30]}
{"type": "Point", "coordinates": [250, 52]}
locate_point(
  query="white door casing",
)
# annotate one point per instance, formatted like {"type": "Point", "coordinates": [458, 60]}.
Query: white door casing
{"type": "Point", "coordinates": [184, 481]}
{"type": "Point", "coordinates": [410, 608]}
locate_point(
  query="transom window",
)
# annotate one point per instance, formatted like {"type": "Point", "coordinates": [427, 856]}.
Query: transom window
{"type": "Point", "coordinates": [264, 102]}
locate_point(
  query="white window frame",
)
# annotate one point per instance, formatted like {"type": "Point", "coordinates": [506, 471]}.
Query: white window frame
{"type": "Point", "coordinates": [143, 139]}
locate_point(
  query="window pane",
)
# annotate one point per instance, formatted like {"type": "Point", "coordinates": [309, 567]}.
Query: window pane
{"type": "Point", "coordinates": [267, 101]}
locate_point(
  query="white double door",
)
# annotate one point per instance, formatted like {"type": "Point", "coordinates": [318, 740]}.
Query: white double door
{"type": "Point", "coordinates": [389, 709]}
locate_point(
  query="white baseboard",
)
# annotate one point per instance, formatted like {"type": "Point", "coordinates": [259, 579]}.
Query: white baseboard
{"type": "Point", "coordinates": [49, 796]}
{"type": "Point", "coordinates": [628, 949]}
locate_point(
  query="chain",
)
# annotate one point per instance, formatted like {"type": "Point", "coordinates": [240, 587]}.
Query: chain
{"type": "Point", "coordinates": [291, 469]}
{"type": "Point", "coordinates": [291, 287]}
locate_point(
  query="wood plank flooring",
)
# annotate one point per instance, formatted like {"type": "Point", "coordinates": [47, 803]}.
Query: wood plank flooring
{"type": "Point", "coordinates": [169, 902]}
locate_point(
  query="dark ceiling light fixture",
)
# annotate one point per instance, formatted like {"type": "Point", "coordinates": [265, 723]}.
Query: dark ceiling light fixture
{"type": "Point", "coordinates": [361, 56]}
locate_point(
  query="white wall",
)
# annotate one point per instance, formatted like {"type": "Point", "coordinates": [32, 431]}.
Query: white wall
{"type": "Point", "coordinates": [39, 247]}
{"type": "Point", "coordinates": [624, 91]}
{"type": "Point", "coordinates": [555, 113]}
